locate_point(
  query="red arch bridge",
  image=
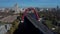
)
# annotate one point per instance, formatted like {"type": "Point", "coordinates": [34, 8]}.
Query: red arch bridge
{"type": "Point", "coordinates": [36, 22]}
{"type": "Point", "coordinates": [29, 9]}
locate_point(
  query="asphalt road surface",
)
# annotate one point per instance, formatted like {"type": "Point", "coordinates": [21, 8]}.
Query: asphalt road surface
{"type": "Point", "coordinates": [9, 18]}
{"type": "Point", "coordinates": [27, 28]}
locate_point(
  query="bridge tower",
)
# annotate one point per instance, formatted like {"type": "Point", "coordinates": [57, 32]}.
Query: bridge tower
{"type": "Point", "coordinates": [28, 9]}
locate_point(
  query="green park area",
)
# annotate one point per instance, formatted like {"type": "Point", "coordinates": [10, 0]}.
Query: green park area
{"type": "Point", "coordinates": [14, 25]}
{"type": "Point", "coordinates": [49, 21]}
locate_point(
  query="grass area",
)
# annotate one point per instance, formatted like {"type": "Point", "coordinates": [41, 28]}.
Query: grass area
{"type": "Point", "coordinates": [50, 25]}
{"type": "Point", "coordinates": [49, 21]}
{"type": "Point", "coordinates": [41, 15]}
{"type": "Point", "coordinates": [14, 26]}
{"type": "Point", "coordinates": [2, 23]}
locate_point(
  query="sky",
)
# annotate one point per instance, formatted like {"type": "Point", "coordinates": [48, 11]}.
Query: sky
{"type": "Point", "coordinates": [30, 3]}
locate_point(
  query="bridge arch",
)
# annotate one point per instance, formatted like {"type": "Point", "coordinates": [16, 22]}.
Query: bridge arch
{"type": "Point", "coordinates": [28, 9]}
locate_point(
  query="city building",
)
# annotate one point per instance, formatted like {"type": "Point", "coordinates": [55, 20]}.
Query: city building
{"type": "Point", "coordinates": [16, 8]}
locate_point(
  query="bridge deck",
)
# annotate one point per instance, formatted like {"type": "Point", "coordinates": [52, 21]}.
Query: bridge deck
{"type": "Point", "coordinates": [27, 28]}
{"type": "Point", "coordinates": [39, 25]}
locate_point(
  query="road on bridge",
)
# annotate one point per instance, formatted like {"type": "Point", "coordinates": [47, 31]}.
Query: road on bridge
{"type": "Point", "coordinates": [27, 28]}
